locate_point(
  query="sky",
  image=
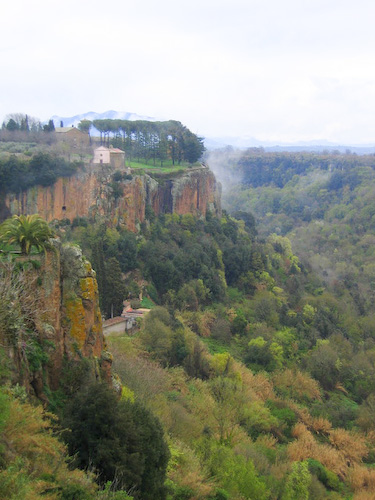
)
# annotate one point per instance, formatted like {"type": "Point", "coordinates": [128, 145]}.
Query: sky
{"type": "Point", "coordinates": [280, 71]}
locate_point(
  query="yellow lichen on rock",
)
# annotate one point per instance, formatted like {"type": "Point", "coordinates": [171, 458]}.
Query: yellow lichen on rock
{"type": "Point", "coordinates": [75, 320]}
{"type": "Point", "coordinates": [88, 267]}
{"type": "Point", "coordinates": [88, 288]}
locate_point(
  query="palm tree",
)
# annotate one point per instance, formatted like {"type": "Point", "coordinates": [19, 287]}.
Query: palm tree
{"type": "Point", "coordinates": [26, 231]}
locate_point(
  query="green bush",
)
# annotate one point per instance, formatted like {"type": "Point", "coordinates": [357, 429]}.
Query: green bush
{"type": "Point", "coordinates": [36, 355]}
{"type": "Point", "coordinates": [325, 476]}
{"type": "Point", "coordinates": [122, 441]}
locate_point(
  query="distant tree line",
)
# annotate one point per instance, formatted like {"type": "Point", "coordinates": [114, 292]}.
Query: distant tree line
{"type": "Point", "coordinates": [25, 123]}
{"type": "Point", "coordinates": [258, 168]}
{"type": "Point", "coordinates": [20, 127]}
{"type": "Point", "coordinates": [151, 141]}
{"type": "Point", "coordinates": [17, 174]}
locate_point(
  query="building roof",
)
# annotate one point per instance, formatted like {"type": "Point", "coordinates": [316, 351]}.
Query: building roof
{"type": "Point", "coordinates": [111, 150]}
{"type": "Point", "coordinates": [113, 321]}
{"type": "Point", "coordinates": [63, 130]}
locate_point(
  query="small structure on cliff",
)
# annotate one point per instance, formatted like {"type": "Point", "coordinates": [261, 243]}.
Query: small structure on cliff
{"type": "Point", "coordinates": [112, 156]}
{"type": "Point", "coordinates": [72, 136]}
{"type": "Point", "coordinates": [126, 322]}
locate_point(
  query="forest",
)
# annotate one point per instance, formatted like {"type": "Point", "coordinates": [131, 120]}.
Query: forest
{"type": "Point", "coordinates": [326, 211]}
{"type": "Point", "coordinates": [252, 376]}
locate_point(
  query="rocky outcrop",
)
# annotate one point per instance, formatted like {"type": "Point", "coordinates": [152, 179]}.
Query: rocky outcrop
{"type": "Point", "coordinates": [93, 193]}
{"type": "Point", "coordinates": [67, 325]}
{"type": "Point", "coordinates": [81, 318]}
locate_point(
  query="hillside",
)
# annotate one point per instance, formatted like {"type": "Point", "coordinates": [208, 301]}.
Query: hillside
{"type": "Point", "coordinates": [323, 204]}
{"type": "Point", "coordinates": [252, 376]}
{"type": "Point", "coordinates": [248, 365]}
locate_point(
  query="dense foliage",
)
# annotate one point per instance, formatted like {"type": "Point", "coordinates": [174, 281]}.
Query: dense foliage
{"type": "Point", "coordinates": [254, 362]}
{"type": "Point", "coordinates": [120, 440]}
{"type": "Point", "coordinates": [185, 260]}
{"type": "Point", "coordinates": [33, 461]}
{"type": "Point", "coordinates": [259, 370]}
{"type": "Point", "coordinates": [43, 169]}
{"type": "Point", "coordinates": [327, 213]}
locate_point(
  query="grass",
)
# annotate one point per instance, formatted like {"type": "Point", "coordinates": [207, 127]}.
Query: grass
{"type": "Point", "coordinates": [15, 249]}
{"type": "Point", "coordinates": [147, 303]}
{"type": "Point", "coordinates": [167, 167]}
{"type": "Point", "coordinates": [214, 346]}
{"type": "Point", "coordinates": [25, 150]}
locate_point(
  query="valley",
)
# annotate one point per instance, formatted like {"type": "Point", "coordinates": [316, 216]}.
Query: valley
{"type": "Point", "coordinates": [252, 375]}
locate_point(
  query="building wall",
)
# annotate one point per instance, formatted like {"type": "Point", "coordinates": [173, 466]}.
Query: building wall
{"type": "Point", "coordinates": [117, 159]}
{"type": "Point", "coordinates": [73, 137]}
{"type": "Point", "coordinates": [102, 155]}
{"type": "Point", "coordinates": [116, 328]}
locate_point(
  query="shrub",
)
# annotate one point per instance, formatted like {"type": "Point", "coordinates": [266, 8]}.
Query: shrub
{"type": "Point", "coordinates": [123, 441]}
{"type": "Point", "coordinates": [325, 476]}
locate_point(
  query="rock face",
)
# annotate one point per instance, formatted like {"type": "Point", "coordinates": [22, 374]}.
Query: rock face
{"type": "Point", "coordinates": [94, 193]}
{"type": "Point", "coordinates": [81, 324]}
{"type": "Point", "coordinates": [69, 323]}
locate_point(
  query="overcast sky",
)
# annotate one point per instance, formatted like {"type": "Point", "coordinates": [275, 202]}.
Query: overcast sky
{"type": "Point", "coordinates": [276, 70]}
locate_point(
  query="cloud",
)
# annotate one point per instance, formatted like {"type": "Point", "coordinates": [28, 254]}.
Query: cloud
{"type": "Point", "coordinates": [273, 70]}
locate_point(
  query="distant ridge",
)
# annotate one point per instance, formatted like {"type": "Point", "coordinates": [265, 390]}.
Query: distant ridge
{"type": "Point", "coordinates": [243, 143]}
{"type": "Point", "coordinates": [317, 146]}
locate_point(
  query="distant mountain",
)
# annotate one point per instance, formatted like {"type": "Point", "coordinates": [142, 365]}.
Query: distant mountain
{"type": "Point", "coordinates": [91, 115]}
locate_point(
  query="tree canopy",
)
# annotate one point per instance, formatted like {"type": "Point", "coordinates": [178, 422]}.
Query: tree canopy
{"type": "Point", "coordinates": [122, 440]}
{"type": "Point", "coordinates": [43, 169]}
{"type": "Point", "coordinates": [152, 141]}
{"type": "Point", "coordinates": [27, 231]}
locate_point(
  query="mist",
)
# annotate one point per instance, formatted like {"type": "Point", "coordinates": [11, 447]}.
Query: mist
{"type": "Point", "coordinates": [223, 163]}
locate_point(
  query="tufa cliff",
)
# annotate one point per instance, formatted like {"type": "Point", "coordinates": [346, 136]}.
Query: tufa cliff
{"type": "Point", "coordinates": [124, 202]}
{"type": "Point", "coordinates": [52, 317]}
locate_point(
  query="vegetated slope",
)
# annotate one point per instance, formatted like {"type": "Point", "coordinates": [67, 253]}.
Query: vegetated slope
{"type": "Point", "coordinates": [253, 368]}
{"type": "Point", "coordinates": [52, 352]}
{"type": "Point", "coordinates": [249, 364]}
{"type": "Point", "coordinates": [324, 205]}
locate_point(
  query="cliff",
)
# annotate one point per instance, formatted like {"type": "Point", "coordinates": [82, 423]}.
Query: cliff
{"type": "Point", "coordinates": [66, 323]}
{"type": "Point", "coordinates": [94, 193]}
{"type": "Point", "coordinates": [58, 319]}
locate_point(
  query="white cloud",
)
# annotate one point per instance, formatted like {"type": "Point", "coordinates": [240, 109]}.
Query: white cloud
{"type": "Point", "coordinates": [274, 70]}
